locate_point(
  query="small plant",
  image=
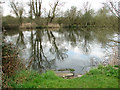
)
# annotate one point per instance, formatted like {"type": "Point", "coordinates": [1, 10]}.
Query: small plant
{"type": "Point", "coordinates": [116, 66]}
{"type": "Point", "coordinates": [72, 70]}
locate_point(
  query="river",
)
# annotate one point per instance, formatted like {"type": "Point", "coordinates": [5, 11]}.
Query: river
{"type": "Point", "coordinates": [79, 49]}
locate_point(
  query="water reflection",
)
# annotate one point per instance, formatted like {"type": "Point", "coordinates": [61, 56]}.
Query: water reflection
{"type": "Point", "coordinates": [65, 48]}
{"type": "Point", "coordinates": [20, 39]}
{"type": "Point", "coordinates": [43, 58]}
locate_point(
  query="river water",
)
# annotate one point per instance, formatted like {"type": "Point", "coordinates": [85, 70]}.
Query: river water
{"type": "Point", "coordinates": [79, 49]}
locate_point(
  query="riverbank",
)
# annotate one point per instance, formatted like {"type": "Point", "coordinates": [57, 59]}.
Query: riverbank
{"type": "Point", "coordinates": [101, 77]}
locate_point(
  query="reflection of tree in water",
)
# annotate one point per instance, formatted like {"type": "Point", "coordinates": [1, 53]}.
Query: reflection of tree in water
{"type": "Point", "coordinates": [103, 35]}
{"type": "Point", "coordinates": [59, 53]}
{"type": "Point", "coordinates": [44, 56]}
{"type": "Point", "coordinates": [79, 38]}
{"type": "Point", "coordinates": [85, 37]}
{"type": "Point", "coordinates": [87, 40]}
{"type": "Point", "coordinates": [20, 39]}
{"type": "Point", "coordinates": [40, 60]}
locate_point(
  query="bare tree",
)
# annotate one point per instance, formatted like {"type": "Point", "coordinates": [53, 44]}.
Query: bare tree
{"type": "Point", "coordinates": [114, 7]}
{"type": "Point", "coordinates": [35, 8]}
{"type": "Point", "coordinates": [86, 6]}
{"type": "Point", "coordinates": [71, 16]}
{"type": "Point", "coordinates": [30, 11]}
{"type": "Point", "coordinates": [87, 17]}
{"type": "Point", "coordinates": [18, 10]}
{"type": "Point", "coordinates": [52, 12]}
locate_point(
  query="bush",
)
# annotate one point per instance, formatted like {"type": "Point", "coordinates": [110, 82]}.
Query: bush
{"type": "Point", "coordinates": [106, 70]}
{"type": "Point", "coordinates": [9, 22]}
{"type": "Point", "coordinates": [11, 62]}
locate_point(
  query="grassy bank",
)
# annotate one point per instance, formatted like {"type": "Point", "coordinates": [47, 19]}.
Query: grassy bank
{"type": "Point", "coordinates": [102, 77]}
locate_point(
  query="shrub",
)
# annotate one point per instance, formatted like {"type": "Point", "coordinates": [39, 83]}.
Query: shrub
{"type": "Point", "coordinates": [106, 70]}
{"type": "Point", "coordinates": [10, 61]}
{"type": "Point", "coordinates": [9, 22]}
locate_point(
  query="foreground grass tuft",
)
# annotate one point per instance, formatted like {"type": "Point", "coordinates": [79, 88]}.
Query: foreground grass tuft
{"type": "Point", "coordinates": [103, 77]}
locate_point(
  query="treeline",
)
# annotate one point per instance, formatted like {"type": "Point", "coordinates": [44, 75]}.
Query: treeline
{"type": "Point", "coordinates": [102, 18]}
{"type": "Point", "coordinates": [69, 18]}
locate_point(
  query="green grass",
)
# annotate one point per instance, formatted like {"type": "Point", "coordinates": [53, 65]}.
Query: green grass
{"type": "Point", "coordinates": [96, 78]}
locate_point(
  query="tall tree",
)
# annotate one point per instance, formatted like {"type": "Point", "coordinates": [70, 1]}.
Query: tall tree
{"type": "Point", "coordinates": [114, 7]}
{"type": "Point", "coordinates": [18, 10]}
{"type": "Point", "coordinates": [102, 17]}
{"type": "Point", "coordinates": [71, 15]}
{"type": "Point", "coordinates": [52, 12]}
{"type": "Point", "coordinates": [35, 8]}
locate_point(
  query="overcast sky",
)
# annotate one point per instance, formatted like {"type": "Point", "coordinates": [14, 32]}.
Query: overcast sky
{"type": "Point", "coordinates": [95, 4]}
